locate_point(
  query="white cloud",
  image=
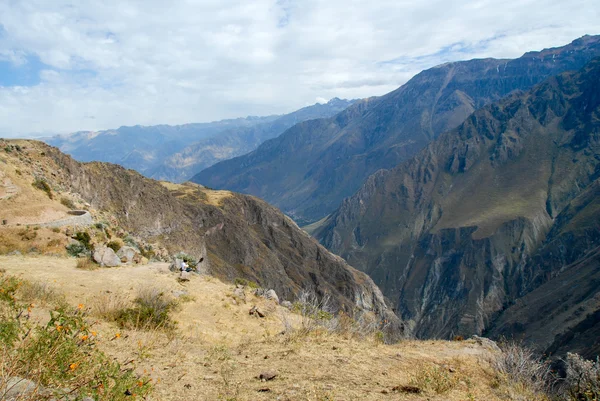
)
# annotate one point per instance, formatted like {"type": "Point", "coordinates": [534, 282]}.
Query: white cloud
{"type": "Point", "coordinates": [118, 62]}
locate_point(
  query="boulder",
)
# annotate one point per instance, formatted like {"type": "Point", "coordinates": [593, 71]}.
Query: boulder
{"type": "Point", "coordinates": [485, 342]}
{"type": "Point", "coordinates": [105, 256]}
{"type": "Point", "coordinates": [271, 294]}
{"type": "Point", "coordinates": [19, 388]}
{"type": "Point", "coordinates": [287, 304]}
{"type": "Point", "coordinates": [127, 254]}
{"type": "Point", "coordinates": [174, 267]}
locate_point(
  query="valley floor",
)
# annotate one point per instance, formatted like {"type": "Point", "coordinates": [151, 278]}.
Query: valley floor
{"type": "Point", "coordinates": [218, 349]}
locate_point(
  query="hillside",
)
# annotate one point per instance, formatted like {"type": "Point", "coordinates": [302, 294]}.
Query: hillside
{"type": "Point", "coordinates": [218, 350]}
{"type": "Point", "coordinates": [500, 211]}
{"type": "Point", "coordinates": [233, 236]}
{"type": "Point", "coordinates": [176, 153]}
{"type": "Point", "coordinates": [312, 167]}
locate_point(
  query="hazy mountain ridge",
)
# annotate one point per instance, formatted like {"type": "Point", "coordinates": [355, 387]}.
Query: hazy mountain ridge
{"type": "Point", "coordinates": [451, 235]}
{"type": "Point", "coordinates": [312, 167]}
{"type": "Point", "coordinates": [175, 153]}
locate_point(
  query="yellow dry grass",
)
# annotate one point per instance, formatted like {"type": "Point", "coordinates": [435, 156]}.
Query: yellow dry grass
{"type": "Point", "coordinates": [218, 349]}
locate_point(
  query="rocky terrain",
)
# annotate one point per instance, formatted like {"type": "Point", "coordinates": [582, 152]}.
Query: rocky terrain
{"type": "Point", "coordinates": [233, 236]}
{"type": "Point", "coordinates": [493, 227]}
{"type": "Point", "coordinates": [176, 153]}
{"type": "Point", "coordinates": [312, 167]}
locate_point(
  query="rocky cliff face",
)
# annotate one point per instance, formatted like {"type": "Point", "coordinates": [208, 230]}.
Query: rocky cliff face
{"type": "Point", "coordinates": [237, 235]}
{"type": "Point", "coordinates": [451, 236]}
{"type": "Point", "coordinates": [312, 167]}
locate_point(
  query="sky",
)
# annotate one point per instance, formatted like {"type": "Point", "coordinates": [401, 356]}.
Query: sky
{"type": "Point", "coordinates": [67, 66]}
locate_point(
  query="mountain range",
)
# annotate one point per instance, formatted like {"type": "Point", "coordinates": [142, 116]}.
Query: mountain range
{"type": "Point", "coordinates": [309, 169]}
{"type": "Point", "coordinates": [176, 153]}
{"type": "Point", "coordinates": [493, 227]}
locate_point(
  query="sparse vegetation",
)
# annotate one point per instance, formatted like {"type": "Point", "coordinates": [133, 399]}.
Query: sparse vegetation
{"type": "Point", "coordinates": [583, 378]}
{"type": "Point", "coordinates": [246, 283]}
{"type": "Point", "coordinates": [84, 238]}
{"type": "Point", "coordinates": [42, 185]}
{"type": "Point", "coordinates": [86, 264]}
{"type": "Point", "coordinates": [151, 309]}
{"type": "Point", "coordinates": [60, 357]}
{"type": "Point", "coordinates": [115, 245]}
{"type": "Point", "coordinates": [76, 249]}
{"type": "Point", "coordinates": [520, 366]}
{"type": "Point", "coordinates": [437, 379]}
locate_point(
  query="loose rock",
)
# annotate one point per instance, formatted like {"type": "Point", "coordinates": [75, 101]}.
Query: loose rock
{"type": "Point", "coordinates": [267, 376]}
{"type": "Point", "coordinates": [105, 256]}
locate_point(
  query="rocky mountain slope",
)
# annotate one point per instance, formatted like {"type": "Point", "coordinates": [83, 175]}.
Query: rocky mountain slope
{"type": "Point", "coordinates": [176, 153]}
{"type": "Point", "coordinates": [312, 167]}
{"type": "Point", "coordinates": [234, 236]}
{"type": "Point", "coordinates": [500, 211]}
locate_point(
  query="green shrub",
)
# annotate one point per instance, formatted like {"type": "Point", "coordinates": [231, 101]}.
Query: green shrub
{"type": "Point", "coordinates": [114, 245]}
{"type": "Point", "coordinates": [68, 203]}
{"type": "Point", "coordinates": [41, 184]}
{"type": "Point", "coordinates": [84, 238]}
{"type": "Point", "coordinates": [76, 249]}
{"type": "Point", "coordinates": [246, 283]}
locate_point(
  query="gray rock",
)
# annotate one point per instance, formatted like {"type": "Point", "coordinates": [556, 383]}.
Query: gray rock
{"type": "Point", "coordinates": [287, 304]}
{"type": "Point", "coordinates": [105, 256]}
{"type": "Point", "coordinates": [256, 311]}
{"type": "Point", "coordinates": [486, 343]}
{"type": "Point", "coordinates": [267, 375]}
{"type": "Point", "coordinates": [18, 388]}
{"type": "Point", "coordinates": [15, 253]}
{"type": "Point", "coordinates": [239, 294]}
{"type": "Point", "coordinates": [175, 266]}
{"type": "Point", "coordinates": [127, 254]}
{"type": "Point", "coordinates": [271, 294]}
{"type": "Point", "coordinates": [184, 276]}
{"type": "Point", "coordinates": [179, 293]}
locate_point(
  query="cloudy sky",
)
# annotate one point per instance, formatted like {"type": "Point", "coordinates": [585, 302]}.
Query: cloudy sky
{"type": "Point", "coordinates": [89, 65]}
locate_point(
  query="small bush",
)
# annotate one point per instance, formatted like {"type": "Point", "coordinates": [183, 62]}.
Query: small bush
{"type": "Point", "coordinates": [33, 291]}
{"type": "Point", "coordinates": [68, 203]}
{"type": "Point", "coordinates": [86, 264]}
{"type": "Point", "coordinates": [435, 378]}
{"type": "Point", "coordinates": [41, 184]}
{"type": "Point", "coordinates": [246, 283]}
{"type": "Point", "coordinates": [151, 310]}
{"type": "Point", "coordinates": [84, 238]}
{"type": "Point", "coordinates": [583, 378]}
{"type": "Point", "coordinates": [76, 249]}
{"type": "Point", "coordinates": [520, 365]}
{"type": "Point", "coordinates": [115, 245]}
{"type": "Point", "coordinates": [55, 230]}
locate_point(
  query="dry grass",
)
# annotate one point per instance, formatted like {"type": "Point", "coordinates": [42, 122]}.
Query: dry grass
{"type": "Point", "coordinates": [218, 349]}
{"type": "Point", "coordinates": [86, 264]}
